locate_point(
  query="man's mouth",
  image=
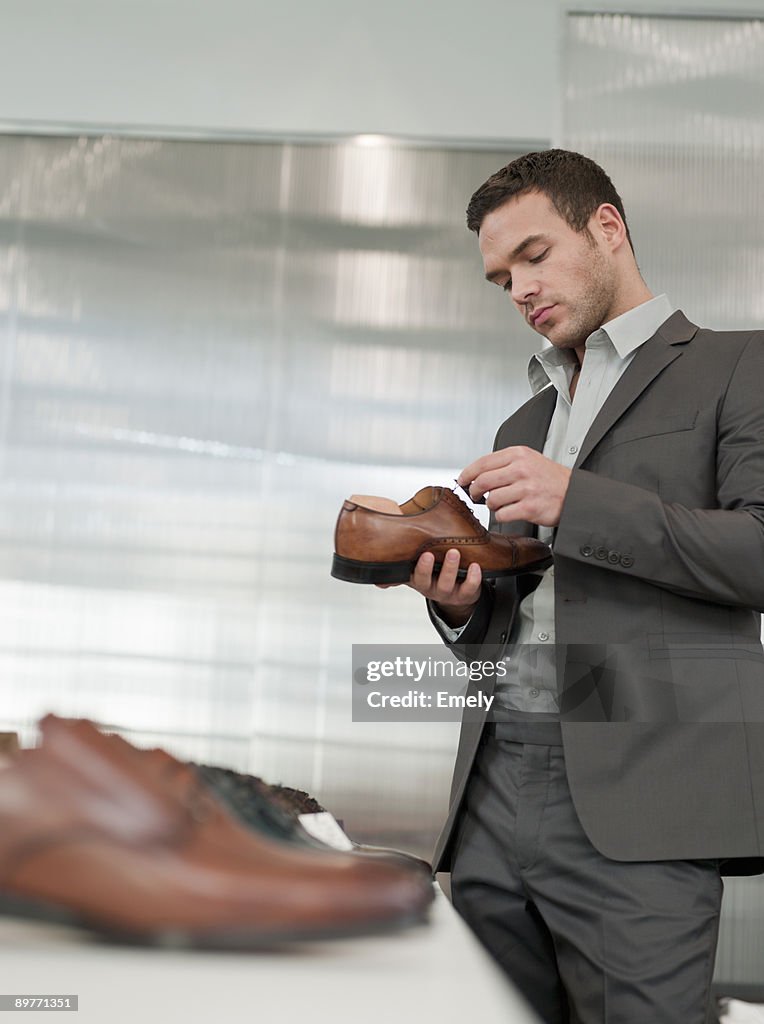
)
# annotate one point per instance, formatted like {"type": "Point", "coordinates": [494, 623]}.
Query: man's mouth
{"type": "Point", "coordinates": [540, 315]}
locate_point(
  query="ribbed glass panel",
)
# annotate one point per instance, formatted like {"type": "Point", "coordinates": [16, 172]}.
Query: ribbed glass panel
{"type": "Point", "coordinates": [673, 108]}
{"type": "Point", "coordinates": [204, 348]}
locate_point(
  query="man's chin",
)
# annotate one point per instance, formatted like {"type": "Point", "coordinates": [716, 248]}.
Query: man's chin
{"type": "Point", "coordinates": [554, 332]}
{"type": "Point", "coordinates": [557, 337]}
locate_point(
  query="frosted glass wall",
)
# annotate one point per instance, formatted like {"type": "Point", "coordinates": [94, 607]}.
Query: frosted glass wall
{"type": "Point", "coordinates": [203, 349]}
{"type": "Point", "coordinates": [673, 108]}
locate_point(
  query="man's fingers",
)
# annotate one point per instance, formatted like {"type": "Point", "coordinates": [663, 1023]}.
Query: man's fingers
{"type": "Point", "coordinates": [512, 513]}
{"type": "Point", "coordinates": [445, 587]}
{"type": "Point", "coordinates": [508, 495]}
{"type": "Point", "coordinates": [446, 582]}
{"type": "Point", "coordinates": [494, 460]}
{"type": "Point", "coordinates": [490, 461]}
{"type": "Point", "coordinates": [470, 588]}
{"type": "Point", "coordinates": [421, 578]}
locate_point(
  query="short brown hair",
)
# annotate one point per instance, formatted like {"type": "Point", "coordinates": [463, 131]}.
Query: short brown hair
{"type": "Point", "coordinates": [575, 185]}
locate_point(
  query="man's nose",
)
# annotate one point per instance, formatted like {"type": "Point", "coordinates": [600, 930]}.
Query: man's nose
{"type": "Point", "coordinates": [524, 289]}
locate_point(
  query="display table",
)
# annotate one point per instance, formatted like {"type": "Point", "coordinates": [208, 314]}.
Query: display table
{"type": "Point", "coordinates": [431, 973]}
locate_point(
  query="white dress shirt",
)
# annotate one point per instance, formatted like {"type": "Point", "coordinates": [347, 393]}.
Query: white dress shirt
{"type": "Point", "coordinates": [530, 684]}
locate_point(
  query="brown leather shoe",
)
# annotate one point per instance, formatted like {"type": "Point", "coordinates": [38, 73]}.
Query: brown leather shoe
{"type": "Point", "coordinates": [276, 811]}
{"type": "Point", "coordinates": [92, 832]}
{"type": "Point", "coordinates": [377, 541]}
{"type": "Point", "coordinates": [73, 739]}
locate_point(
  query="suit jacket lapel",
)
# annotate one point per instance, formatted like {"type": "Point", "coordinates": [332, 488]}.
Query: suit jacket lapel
{"type": "Point", "coordinates": [530, 425]}
{"type": "Point", "coordinates": [653, 357]}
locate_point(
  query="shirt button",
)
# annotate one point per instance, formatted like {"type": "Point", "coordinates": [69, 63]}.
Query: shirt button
{"type": "Point", "coordinates": [572, 449]}
{"type": "Point", "coordinates": [534, 692]}
{"type": "Point", "coordinates": [543, 636]}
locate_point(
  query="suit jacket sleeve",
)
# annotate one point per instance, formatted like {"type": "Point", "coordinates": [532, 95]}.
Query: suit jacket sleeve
{"type": "Point", "coordinates": [713, 554]}
{"type": "Point", "coordinates": [475, 629]}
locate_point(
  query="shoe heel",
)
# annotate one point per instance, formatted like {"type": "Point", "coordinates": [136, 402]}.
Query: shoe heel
{"type": "Point", "coordinates": [351, 571]}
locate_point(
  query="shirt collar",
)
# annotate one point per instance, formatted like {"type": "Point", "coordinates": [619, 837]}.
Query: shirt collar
{"type": "Point", "coordinates": [626, 333]}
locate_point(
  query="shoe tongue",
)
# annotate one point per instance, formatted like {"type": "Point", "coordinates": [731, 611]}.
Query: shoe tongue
{"type": "Point", "coordinates": [425, 498]}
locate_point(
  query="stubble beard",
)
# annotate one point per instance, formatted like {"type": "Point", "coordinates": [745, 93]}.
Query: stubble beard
{"type": "Point", "coordinates": [590, 309]}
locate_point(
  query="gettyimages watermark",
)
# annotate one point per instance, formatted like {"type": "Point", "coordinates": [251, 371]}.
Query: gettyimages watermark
{"type": "Point", "coordinates": [421, 683]}
{"type": "Point", "coordinates": [659, 679]}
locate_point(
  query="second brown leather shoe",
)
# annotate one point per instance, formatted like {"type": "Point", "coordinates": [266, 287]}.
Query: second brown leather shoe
{"type": "Point", "coordinates": [377, 541]}
{"type": "Point", "coordinates": [131, 845]}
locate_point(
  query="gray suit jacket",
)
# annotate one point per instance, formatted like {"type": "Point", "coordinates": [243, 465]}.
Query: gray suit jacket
{"type": "Point", "coordinates": [659, 581]}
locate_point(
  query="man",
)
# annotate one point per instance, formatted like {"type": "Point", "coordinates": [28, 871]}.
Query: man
{"type": "Point", "coordinates": [623, 771]}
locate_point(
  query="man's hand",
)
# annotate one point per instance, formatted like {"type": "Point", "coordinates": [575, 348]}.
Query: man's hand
{"type": "Point", "coordinates": [456, 600]}
{"type": "Point", "coordinates": [523, 484]}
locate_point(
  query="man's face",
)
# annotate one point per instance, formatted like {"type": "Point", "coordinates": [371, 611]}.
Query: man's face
{"type": "Point", "coordinates": [562, 281]}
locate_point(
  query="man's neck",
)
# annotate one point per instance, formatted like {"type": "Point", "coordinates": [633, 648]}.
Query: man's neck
{"type": "Point", "coordinates": [632, 297]}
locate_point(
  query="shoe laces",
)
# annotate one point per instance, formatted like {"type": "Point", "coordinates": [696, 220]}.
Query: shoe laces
{"type": "Point", "coordinates": [464, 508]}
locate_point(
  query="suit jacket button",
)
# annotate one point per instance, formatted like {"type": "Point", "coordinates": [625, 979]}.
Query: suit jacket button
{"type": "Point", "coordinates": [587, 551]}
{"type": "Point", "coordinates": [627, 561]}
{"type": "Point", "coordinates": [600, 553]}
{"type": "Point", "coordinates": [614, 557]}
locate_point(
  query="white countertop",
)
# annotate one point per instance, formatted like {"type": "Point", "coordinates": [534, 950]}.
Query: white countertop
{"type": "Point", "coordinates": [436, 972]}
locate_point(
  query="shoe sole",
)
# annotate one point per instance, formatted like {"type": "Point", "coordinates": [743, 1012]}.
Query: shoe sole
{"type": "Point", "coordinates": [241, 938]}
{"type": "Point", "coordinates": [351, 571]}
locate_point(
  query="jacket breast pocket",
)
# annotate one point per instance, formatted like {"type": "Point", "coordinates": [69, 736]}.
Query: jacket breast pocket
{"type": "Point", "coordinates": [649, 451]}
{"type": "Point", "coordinates": [644, 428]}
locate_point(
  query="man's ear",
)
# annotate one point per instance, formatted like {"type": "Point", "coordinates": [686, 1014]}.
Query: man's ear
{"type": "Point", "coordinates": [610, 226]}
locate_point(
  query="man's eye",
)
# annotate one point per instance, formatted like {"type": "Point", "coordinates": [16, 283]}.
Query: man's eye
{"type": "Point", "coordinates": [540, 257]}
{"type": "Point", "coordinates": [507, 286]}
